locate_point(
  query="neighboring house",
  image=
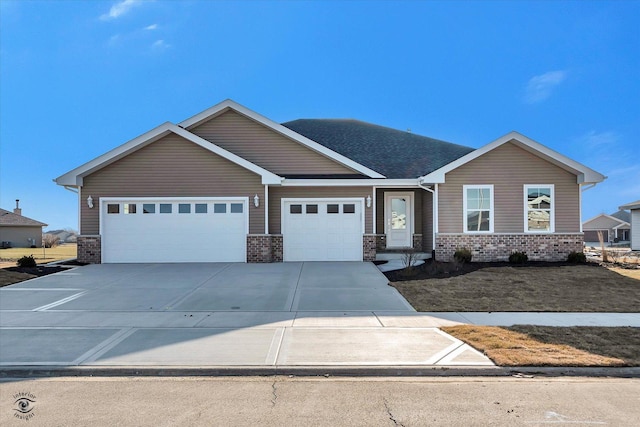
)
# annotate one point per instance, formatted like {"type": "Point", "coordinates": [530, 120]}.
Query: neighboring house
{"type": "Point", "coordinates": [228, 184]}
{"type": "Point", "coordinates": [17, 231]}
{"type": "Point", "coordinates": [634, 207]}
{"type": "Point", "coordinates": [615, 228]}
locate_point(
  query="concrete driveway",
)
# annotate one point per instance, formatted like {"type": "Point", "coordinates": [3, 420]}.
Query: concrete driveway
{"type": "Point", "coordinates": [220, 314]}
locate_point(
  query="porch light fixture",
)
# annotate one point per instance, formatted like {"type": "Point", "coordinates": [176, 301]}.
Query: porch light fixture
{"type": "Point", "coordinates": [368, 201]}
{"type": "Point", "coordinates": [256, 201]}
{"type": "Point", "coordinates": [90, 202]}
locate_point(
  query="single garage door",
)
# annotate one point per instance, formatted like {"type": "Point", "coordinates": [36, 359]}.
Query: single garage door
{"type": "Point", "coordinates": [592, 236]}
{"type": "Point", "coordinates": [174, 230]}
{"type": "Point", "coordinates": [322, 230]}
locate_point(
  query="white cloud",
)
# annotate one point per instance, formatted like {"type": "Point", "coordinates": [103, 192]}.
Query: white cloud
{"type": "Point", "coordinates": [599, 139]}
{"type": "Point", "coordinates": [151, 27]}
{"type": "Point", "coordinates": [160, 45]}
{"type": "Point", "coordinates": [540, 87]}
{"type": "Point", "coordinates": [120, 9]}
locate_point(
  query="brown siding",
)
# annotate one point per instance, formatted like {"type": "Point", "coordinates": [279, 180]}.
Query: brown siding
{"type": "Point", "coordinates": [427, 221]}
{"type": "Point", "coordinates": [417, 203]}
{"type": "Point", "coordinates": [264, 147]}
{"type": "Point", "coordinates": [171, 167]}
{"type": "Point", "coordinates": [508, 168]}
{"type": "Point", "coordinates": [276, 194]}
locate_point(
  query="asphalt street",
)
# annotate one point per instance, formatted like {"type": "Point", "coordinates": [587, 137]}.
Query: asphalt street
{"type": "Point", "coordinates": [320, 401]}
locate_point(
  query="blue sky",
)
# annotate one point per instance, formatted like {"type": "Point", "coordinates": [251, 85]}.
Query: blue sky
{"type": "Point", "coordinates": [78, 78]}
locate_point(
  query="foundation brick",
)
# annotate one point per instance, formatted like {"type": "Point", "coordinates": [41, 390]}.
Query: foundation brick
{"type": "Point", "coordinates": [90, 249]}
{"type": "Point", "coordinates": [369, 246]}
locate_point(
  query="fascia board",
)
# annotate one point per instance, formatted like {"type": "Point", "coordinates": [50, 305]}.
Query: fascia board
{"type": "Point", "coordinates": [349, 182]}
{"type": "Point", "coordinates": [277, 127]}
{"type": "Point", "coordinates": [75, 176]}
{"type": "Point", "coordinates": [624, 224]}
{"type": "Point", "coordinates": [630, 206]}
{"type": "Point", "coordinates": [584, 174]}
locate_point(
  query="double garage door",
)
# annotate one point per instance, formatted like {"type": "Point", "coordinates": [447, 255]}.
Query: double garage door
{"type": "Point", "coordinates": [215, 229]}
{"type": "Point", "coordinates": [174, 230]}
{"type": "Point", "coordinates": [322, 229]}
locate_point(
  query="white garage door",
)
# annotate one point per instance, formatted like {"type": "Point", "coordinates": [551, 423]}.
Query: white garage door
{"type": "Point", "coordinates": [174, 230]}
{"type": "Point", "coordinates": [322, 230]}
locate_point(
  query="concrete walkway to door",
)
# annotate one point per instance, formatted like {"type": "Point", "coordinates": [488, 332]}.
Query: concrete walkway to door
{"type": "Point", "coordinates": [220, 314]}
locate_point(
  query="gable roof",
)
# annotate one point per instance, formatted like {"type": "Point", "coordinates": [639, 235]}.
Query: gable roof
{"type": "Point", "coordinates": [584, 174]}
{"type": "Point", "coordinates": [8, 218]}
{"type": "Point", "coordinates": [619, 222]}
{"type": "Point", "coordinates": [313, 145]}
{"type": "Point", "coordinates": [631, 206]}
{"type": "Point", "coordinates": [622, 216]}
{"type": "Point", "coordinates": [74, 177]}
{"type": "Point", "coordinates": [394, 153]}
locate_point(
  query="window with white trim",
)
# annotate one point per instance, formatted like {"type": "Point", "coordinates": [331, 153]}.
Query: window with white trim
{"type": "Point", "coordinates": [478, 208]}
{"type": "Point", "coordinates": [538, 208]}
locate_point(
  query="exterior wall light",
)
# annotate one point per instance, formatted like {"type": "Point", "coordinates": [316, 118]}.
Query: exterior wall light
{"type": "Point", "coordinates": [90, 202]}
{"type": "Point", "coordinates": [369, 201]}
{"type": "Point", "coordinates": [256, 201]}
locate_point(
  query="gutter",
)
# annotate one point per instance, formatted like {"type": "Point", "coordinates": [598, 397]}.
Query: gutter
{"type": "Point", "coordinates": [434, 206]}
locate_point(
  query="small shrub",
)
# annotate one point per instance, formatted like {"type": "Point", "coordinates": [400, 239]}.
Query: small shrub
{"type": "Point", "coordinates": [518, 257]}
{"type": "Point", "coordinates": [27, 262]}
{"type": "Point", "coordinates": [577, 257]}
{"type": "Point", "coordinates": [462, 255]}
{"type": "Point", "coordinates": [50, 241]}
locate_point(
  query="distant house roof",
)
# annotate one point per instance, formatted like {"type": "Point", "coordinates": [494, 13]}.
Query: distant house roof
{"type": "Point", "coordinates": [391, 152]}
{"type": "Point", "coordinates": [8, 218]}
{"type": "Point", "coordinates": [631, 206]}
{"type": "Point", "coordinates": [622, 215]}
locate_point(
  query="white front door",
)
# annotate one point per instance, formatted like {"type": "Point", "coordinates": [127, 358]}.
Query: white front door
{"type": "Point", "coordinates": [398, 219]}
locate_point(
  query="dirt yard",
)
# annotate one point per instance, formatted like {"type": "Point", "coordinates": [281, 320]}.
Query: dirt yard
{"type": "Point", "coordinates": [544, 287]}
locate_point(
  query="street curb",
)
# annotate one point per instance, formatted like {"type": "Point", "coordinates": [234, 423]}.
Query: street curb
{"type": "Point", "coordinates": [315, 371]}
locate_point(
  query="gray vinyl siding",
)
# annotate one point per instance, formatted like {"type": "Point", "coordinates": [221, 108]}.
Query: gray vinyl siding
{"type": "Point", "coordinates": [509, 168]}
{"type": "Point", "coordinates": [276, 194]}
{"type": "Point", "coordinates": [171, 167]}
{"type": "Point", "coordinates": [417, 207]}
{"type": "Point", "coordinates": [264, 147]}
{"type": "Point", "coordinates": [635, 229]}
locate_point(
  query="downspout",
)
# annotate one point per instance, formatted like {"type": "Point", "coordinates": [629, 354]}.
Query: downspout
{"type": "Point", "coordinates": [434, 207]}
{"type": "Point", "coordinates": [374, 210]}
{"type": "Point", "coordinates": [266, 209]}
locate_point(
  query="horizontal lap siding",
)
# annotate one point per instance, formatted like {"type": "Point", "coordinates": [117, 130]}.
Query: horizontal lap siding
{"type": "Point", "coordinates": [276, 194]}
{"type": "Point", "coordinates": [264, 147]}
{"type": "Point", "coordinates": [171, 167]}
{"type": "Point", "coordinates": [508, 168]}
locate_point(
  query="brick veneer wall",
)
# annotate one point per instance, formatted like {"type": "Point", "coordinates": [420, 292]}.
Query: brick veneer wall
{"type": "Point", "coordinates": [498, 247]}
{"type": "Point", "coordinates": [89, 249]}
{"type": "Point", "coordinates": [264, 248]}
{"type": "Point", "coordinates": [369, 245]}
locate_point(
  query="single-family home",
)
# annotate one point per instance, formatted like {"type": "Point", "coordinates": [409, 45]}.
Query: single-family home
{"type": "Point", "coordinates": [634, 207]}
{"type": "Point", "coordinates": [229, 184]}
{"type": "Point", "coordinates": [18, 231]}
{"type": "Point", "coordinates": [615, 228]}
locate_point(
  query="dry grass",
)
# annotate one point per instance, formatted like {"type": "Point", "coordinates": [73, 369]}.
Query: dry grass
{"type": "Point", "coordinates": [634, 274]}
{"type": "Point", "coordinates": [11, 277]}
{"type": "Point", "coordinates": [567, 288]}
{"type": "Point", "coordinates": [66, 251]}
{"type": "Point", "coordinates": [552, 346]}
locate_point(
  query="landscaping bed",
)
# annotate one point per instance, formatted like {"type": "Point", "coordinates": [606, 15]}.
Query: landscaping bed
{"type": "Point", "coordinates": [556, 287]}
{"type": "Point", "coordinates": [11, 275]}
{"type": "Point", "coordinates": [528, 345]}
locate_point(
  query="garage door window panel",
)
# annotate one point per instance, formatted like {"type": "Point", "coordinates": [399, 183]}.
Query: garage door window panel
{"type": "Point", "coordinates": [312, 209]}
{"type": "Point", "coordinates": [220, 208]}
{"type": "Point", "coordinates": [295, 209]}
{"type": "Point", "coordinates": [184, 208]}
{"type": "Point", "coordinates": [349, 208]}
{"type": "Point", "coordinates": [149, 208]}
{"type": "Point", "coordinates": [165, 208]}
{"type": "Point", "coordinates": [333, 208]}
{"type": "Point", "coordinates": [201, 208]}
{"type": "Point", "coordinates": [113, 208]}
{"type": "Point", "coordinates": [236, 207]}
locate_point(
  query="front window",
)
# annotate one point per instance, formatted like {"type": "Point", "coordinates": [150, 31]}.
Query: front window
{"type": "Point", "coordinates": [538, 208]}
{"type": "Point", "coordinates": [478, 208]}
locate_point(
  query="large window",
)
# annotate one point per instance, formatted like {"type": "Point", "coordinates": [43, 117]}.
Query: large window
{"type": "Point", "coordinates": [538, 208]}
{"type": "Point", "coordinates": [478, 208]}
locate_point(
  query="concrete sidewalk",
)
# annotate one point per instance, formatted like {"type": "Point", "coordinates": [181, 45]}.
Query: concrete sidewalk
{"type": "Point", "coordinates": [538, 318]}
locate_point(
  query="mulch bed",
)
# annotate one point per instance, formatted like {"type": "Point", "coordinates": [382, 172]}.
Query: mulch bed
{"type": "Point", "coordinates": [36, 271]}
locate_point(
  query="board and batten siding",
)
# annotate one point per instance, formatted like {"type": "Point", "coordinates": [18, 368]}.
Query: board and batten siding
{"type": "Point", "coordinates": [509, 168]}
{"type": "Point", "coordinates": [276, 194]}
{"type": "Point", "coordinates": [171, 167]}
{"type": "Point", "coordinates": [264, 147]}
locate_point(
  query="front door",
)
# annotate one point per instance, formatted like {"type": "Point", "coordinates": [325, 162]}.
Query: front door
{"type": "Point", "coordinates": [398, 219]}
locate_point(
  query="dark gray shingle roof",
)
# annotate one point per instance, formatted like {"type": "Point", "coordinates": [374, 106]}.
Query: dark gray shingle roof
{"type": "Point", "coordinates": [622, 216]}
{"type": "Point", "coordinates": [391, 152]}
{"type": "Point", "coordinates": [10, 219]}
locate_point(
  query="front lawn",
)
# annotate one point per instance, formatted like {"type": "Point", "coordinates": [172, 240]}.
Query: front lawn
{"type": "Point", "coordinates": [543, 287]}
{"type": "Point", "coordinates": [60, 252]}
